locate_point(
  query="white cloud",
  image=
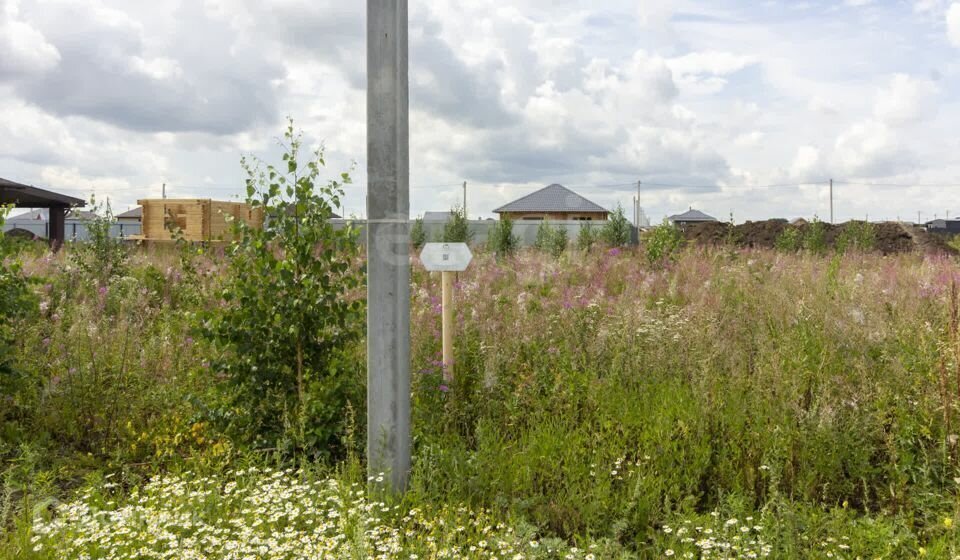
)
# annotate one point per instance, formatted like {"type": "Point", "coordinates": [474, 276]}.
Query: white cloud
{"type": "Point", "coordinates": [953, 24]}
{"type": "Point", "coordinates": [905, 100]}
{"type": "Point", "coordinates": [25, 49]}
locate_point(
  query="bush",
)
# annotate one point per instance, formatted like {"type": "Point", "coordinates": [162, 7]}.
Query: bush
{"type": "Point", "coordinates": [586, 237]}
{"type": "Point", "coordinates": [550, 239]}
{"type": "Point", "coordinates": [457, 228]}
{"type": "Point", "coordinates": [815, 237]}
{"type": "Point", "coordinates": [101, 257]}
{"type": "Point", "coordinates": [790, 240]}
{"type": "Point", "coordinates": [15, 302]}
{"type": "Point", "coordinates": [418, 235]}
{"type": "Point", "coordinates": [616, 232]}
{"type": "Point", "coordinates": [502, 241]}
{"type": "Point", "coordinates": [857, 236]}
{"type": "Point", "coordinates": [290, 311]}
{"type": "Point", "coordinates": [662, 243]}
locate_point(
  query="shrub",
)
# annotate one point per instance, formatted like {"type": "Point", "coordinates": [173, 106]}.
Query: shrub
{"type": "Point", "coordinates": [586, 237]}
{"type": "Point", "coordinates": [502, 241]}
{"type": "Point", "coordinates": [857, 236]}
{"type": "Point", "coordinates": [790, 240]}
{"type": "Point", "coordinates": [418, 235]}
{"type": "Point", "coordinates": [290, 310]}
{"type": "Point", "coordinates": [15, 301]}
{"type": "Point", "coordinates": [457, 228]}
{"type": "Point", "coordinates": [662, 243]}
{"type": "Point", "coordinates": [550, 239]}
{"type": "Point", "coordinates": [815, 237]}
{"type": "Point", "coordinates": [101, 257]}
{"type": "Point", "coordinates": [616, 232]}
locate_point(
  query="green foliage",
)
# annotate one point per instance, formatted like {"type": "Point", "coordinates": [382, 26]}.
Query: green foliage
{"type": "Point", "coordinates": [815, 237]}
{"type": "Point", "coordinates": [290, 309]}
{"type": "Point", "coordinates": [662, 243]}
{"type": "Point", "coordinates": [616, 231]}
{"type": "Point", "coordinates": [501, 240]}
{"type": "Point", "coordinates": [551, 239]}
{"type": "Point", "coordinates": [101, 257]}
{"type": "Point", "coordinates": [587, 237]}
{"type": "Point", "coordinates": [15, 303]}
{"type": "Point", "coordinates": [418, 234]}
{"type": "Point", "coordinates": [857, 236]}
{"type": "Point", "coordinates": [457, 228]}
{"type": "Point", "coordinates": [790, 240]}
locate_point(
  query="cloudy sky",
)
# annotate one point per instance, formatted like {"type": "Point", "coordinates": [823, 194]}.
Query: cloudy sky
{"type": "Point", "coordinates": [739, 107]}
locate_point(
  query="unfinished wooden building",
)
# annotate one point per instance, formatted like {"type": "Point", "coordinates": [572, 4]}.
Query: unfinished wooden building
{"type": "Point", "coordinates": [196, 219]}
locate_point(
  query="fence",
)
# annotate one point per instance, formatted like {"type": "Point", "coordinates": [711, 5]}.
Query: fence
{"type": "Point", "coordinates": [526, 231]}
{"type": "Point", "coordinates": [76, 231]}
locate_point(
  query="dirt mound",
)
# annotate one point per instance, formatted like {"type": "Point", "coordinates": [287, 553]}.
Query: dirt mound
{"type": "Point", "coordinates": [759, 234]}
{"type": "Point", "coordinates": [889, 237]}
{"type": "Point", "coordinates": [931, 243]}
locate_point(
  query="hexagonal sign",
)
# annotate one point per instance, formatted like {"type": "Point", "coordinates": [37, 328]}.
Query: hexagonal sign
{"type": "Point", "coordinates": [451, 257]}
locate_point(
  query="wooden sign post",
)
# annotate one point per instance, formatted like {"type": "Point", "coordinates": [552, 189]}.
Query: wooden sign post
{"type": "Point", "coordinates": [446, 258]}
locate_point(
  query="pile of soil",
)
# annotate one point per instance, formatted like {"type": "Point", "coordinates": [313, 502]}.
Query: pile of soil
{"type": "Point", "coordinates": [891, 237]}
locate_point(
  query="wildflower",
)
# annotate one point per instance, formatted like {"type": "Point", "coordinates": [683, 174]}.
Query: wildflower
{"type": "Point", "coordinates": [669, 552]}
{"type": "Point", "coordinates": [443, 388]}
{"type": "Point", "coordinates": [948, 522]}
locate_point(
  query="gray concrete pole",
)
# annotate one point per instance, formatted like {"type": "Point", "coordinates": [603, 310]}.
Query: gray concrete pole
{"type": "Point", "coordinates": [388, 244]}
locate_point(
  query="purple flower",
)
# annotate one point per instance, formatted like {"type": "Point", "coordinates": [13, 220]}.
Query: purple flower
{"type": "Point", "coordinates": [103, 290]}
{"type": "Point", "coordinates": [189, 340]}
{"type": "Point", "coordinates": [46, 341]}
{"type": "Point", "coordinates": [614, 252]}
{"type": "Point", "coordinates": [444, 388]}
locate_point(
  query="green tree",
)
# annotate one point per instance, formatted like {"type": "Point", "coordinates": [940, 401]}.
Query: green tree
{"type": "Point", "coordinates": [290, 309]}
{"type": "Point", "coordinates": [457, 228]}
{"type": "Point", "coordinates": [586, 237]}
{"type": "Point", "coordinates": [815, 237]}
{"type": "Point", "coordinates": [616, 232]}
{"type": "Point", "coordinates": [662, 243]}
{"type": "Point", "coordinates": [858, 236]}
{"type": "Point", "coordinates": [502, 241]}
{"type": "Point", "coordinates": [16, 302]}
{"type": "Point", "coordinates": [418, 235]}
{"type": "Point", "coordinates": [551, 239]}
{"type": "Point", "coordinates": [101, 257]}
{"type": "Point", "coordinates": [790, 240]}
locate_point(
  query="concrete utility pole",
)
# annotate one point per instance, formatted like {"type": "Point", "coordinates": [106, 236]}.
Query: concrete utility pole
{"type": "Point", "coordinates": [831, 201]}
{"type": "Point", "coordinates": [388, 244]}
{"type": "Point", "coordinates": [465, 215]}
{"type": "Point", "coordinates": [163, 191]}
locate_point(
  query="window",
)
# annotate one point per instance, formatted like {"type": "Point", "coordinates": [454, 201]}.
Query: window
{"type": "Point", "coordinates": [534, 218]}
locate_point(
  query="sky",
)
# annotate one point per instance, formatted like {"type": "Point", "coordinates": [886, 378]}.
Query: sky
{"type": "Point", "coordinates": [741, 109]}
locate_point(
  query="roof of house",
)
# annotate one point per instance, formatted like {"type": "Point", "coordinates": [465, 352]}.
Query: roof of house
{"type": "Point", "coordinates": [437, 216]}
{"type": "Point", "coordinates": [42, 215]}
{"type": "Point", "coordinates": [552, 198]}
{"type": "Point", "coordinates": [131, 214]}
{"type": "Point", "coordinates": [27, 196]}
{"type": "Point", "coordinates": [692, 215]}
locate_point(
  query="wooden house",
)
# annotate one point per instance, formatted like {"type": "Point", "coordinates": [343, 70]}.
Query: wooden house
{"type": "Point", "coordinates": [197, 219]}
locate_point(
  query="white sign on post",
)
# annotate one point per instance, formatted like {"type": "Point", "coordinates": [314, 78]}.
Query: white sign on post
{"type": "Point", "coordinates": [447, 257]}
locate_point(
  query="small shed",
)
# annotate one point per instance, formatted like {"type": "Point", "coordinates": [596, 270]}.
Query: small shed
{"type": "Point", "coordinates": [197, 219]}
{"type": "Point", "coordinates": [28, 196]}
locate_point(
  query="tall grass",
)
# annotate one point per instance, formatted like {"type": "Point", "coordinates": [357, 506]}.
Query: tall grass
{"type": "Point", "coordinates": [598, 400]}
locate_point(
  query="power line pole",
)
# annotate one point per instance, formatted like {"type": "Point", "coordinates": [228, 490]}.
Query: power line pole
{"type": "Point", "coordinates": [831, 201]}
{"type": "Point", "coordinates": [163, 191]}
{"type": "Point", "coordinates": [388, 244]}
{"type": "Point", "coordinates": [636, 207]}
{"type": "Point", "coordinates": [465, 215]}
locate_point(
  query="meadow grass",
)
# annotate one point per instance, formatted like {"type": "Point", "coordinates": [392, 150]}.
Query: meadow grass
{"type": "Point", "coordinates": [729, 404]}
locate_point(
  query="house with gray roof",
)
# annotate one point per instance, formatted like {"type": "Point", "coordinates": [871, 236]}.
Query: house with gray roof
{"type": "Point", "coordinates": [691, 216]}
{"type": "Point", "coordinates": [553, 202]}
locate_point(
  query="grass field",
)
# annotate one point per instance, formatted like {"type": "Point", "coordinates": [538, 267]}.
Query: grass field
{"type": "Point", "coordinates": [727, 404]}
